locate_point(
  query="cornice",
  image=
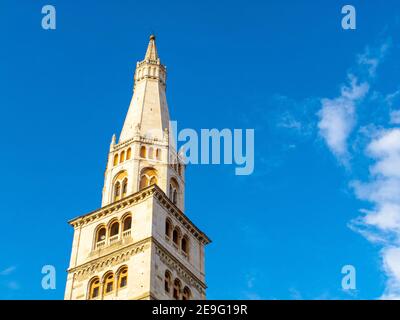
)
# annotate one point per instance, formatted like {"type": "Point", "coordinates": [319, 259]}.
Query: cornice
{"type": "Point", "coordinates": [173, 263]}
{"type": "Point", "coordinates": [138, 197]}
{"type": "Point", "coordinates": [119, 256]}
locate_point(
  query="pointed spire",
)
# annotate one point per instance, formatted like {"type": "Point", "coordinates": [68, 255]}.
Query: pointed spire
{"type": "Point", "coordinates": [113, 141]}
{"type": "Point", "coordinates": [151, 53]}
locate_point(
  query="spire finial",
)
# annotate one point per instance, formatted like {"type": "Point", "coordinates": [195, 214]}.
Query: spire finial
{"type": "Point", "coordinates": [151, 53]}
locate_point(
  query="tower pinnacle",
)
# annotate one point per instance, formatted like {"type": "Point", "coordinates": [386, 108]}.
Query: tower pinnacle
{"type": "Point", "coordinates": [151, 53]}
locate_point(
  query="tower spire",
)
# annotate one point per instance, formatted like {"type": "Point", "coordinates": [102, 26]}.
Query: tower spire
{"type": "Point", "coordinates": [151, 53]}
{"type": "Point", "coordinates": [148, 113]}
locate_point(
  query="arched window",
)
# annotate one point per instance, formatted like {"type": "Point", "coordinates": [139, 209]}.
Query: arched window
{"type": "Point", "coordinates": [158, 154]}
{"type": "Point", "coordinates": [115, 159]}
{"type": "Point", "coordinates": [117, 191]}
{"type": "Point", "coordinates": [114, 232]}
{"type": "Point", "coordinates": [109, 283]}
{"type": "Point", "coordinates": [144, 182]}
{"type": "Point", "coordinates": [176, 236]}
{"type": "Point", "coordinates": [100, 237]}
{"type": "Point", "coordinates": [180, 169]}
{"type": "Point", "coordinates": [114, 229]}
{"type": "Point", "coordinates": [168, 228]}
{"type": "Point", "coordinates": [128, 154]}
{"type": "Point", "coordinates": [147, 177]}
{"type": "Point", "coordinates": [143, 152]}
{"type": "Point", "coordinates": [94, 288]}
{"type": "Point", "coordinates": [177, 289]}
{"type": "Point", "coordinates": [120, 185]}
{"type": "Point", "coordinates": [167, 281]}
{"type": "Point", "coordinates": [122, 157]}
{"type": "Point", "coordinates": [153, 180]}
{"type": "Point", "coordinates": [124, 188]}
{"type": "Point", "coordinates": [186, 294]}
{"type": "Point", "coordinates": [173, 191]}
{"type": "Point", "coordinates": [123, 277]}
{"type": "Point", "coordinates": [185, 245]}
{"type": "Point", "coordinates": [150, 153]}
{"type": "Point", "coordinates": [127, 223]}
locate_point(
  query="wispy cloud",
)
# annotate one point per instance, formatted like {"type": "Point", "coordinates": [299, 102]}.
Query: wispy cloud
{"type": "Point", "coordinates": [337, 117]}
{"type": "Point", "coordinates": [8, 271]}
{"type": "Point", "coordinates": [381, 222]}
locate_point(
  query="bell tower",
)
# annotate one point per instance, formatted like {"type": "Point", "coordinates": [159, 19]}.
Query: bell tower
{"type": "Point", "coordinates": [140, 244]}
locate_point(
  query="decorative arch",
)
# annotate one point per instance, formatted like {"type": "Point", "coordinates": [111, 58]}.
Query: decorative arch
{"type": "Point", "coordinates": [174, 191]}
{"type": "Point", "coordinates": [122, 275]}
{"type": "Point", "coordinates": [167, 281]}
{"type": "Point", "coordinates": [176, 236]}
{"type": "Point", "coordinates": [120, 185]}
{"type": "Point", "coordinates": [158, 154]}
{"type": "Point", "coordinates": [122, 157]}
{"type": "Point", "coordinates": [148, 177]}
{"type": "Point", "coordinates": [109, 283]}
{"type": "Point", "coordinates": [186, 295]}
{"type": "Point", "coordinates": [128, 153]}
{"type": "Point", "coordinates": [100, 235]}
{"type": "Point", "coordinates": [168, 228]}
{"type": "Point", "coordinates": [94, 288]}
{"type": "Point", "coordinates": [185, 245]}
{"type": "Point", "coordinates": [143, 152]}
{"type": "Point", "coordinates": [115, 159]}
{"type": "Point", "coordinates": [177, 289]}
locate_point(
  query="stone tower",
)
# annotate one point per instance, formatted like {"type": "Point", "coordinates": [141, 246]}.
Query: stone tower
{"type": "Point", "coordinates": [140, 244]}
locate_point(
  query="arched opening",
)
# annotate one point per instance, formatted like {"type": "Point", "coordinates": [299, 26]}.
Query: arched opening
{"type": "Point", "coordinates": [177, 289]}
{"type": "Point", "coordinates": [167, 282]}
{"type": "Point", "coordinates": [128, 154]}
{"type": "Point", "coordinates": [143, 152]}
{"type": "Point", "coordinates": [109, 283]}
{"type": "Point", "coordinates": [123, 277]}
{"type": "Point", "coordinates": [174, 191]}
{"type": "Point", "coordinates": [126, 227]}
{"type": "Point", "coordinates": [115, 159]}
{"type": "Point", "coordinates": [122, 157]}
{"type": "Point", "coordinates": [185, 245]}
{"type": "Point", "coordinates": [168, 228]}
{"type": "Point", "coordinates": [94, 288]}
{"type": "Point", "coordinates": [176, 234]}
{"type": "Point", "coordinates": [147, 178]}
{"type": "Point", "coordinates": [100, 237]}
{"type": "Point", "coordinates": [158, 154]}
{"type": "Point", "coordinates": [153, 180]}
{"type": "Point", "coordinates": [144, 182]}
{"type": "Point", "coordinates": [124, 188]}
{"type": "Point", "coordinates": [114, 232]}
{"type": "Point", "coordinates": [186, 294]}
{"type": "Point", "coordinates": [120, 185]}
{"type": "Point", "coordinates": [117, 191]}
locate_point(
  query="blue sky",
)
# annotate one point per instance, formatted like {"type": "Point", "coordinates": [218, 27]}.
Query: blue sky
{"type": "Point", "coordinates": [322, 101]}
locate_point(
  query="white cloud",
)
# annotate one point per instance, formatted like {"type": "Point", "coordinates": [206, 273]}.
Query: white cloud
{"type": "Point", "coordinates": [382, 222]}
{"type": "Point", "coordinates": [391, 265]}
{"type": "Point", "coordinates": [337, 117]}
